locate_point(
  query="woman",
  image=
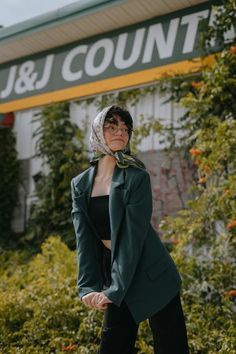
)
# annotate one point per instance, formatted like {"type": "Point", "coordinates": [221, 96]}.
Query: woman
{"type": "Point", "coordinates": [124, 268]}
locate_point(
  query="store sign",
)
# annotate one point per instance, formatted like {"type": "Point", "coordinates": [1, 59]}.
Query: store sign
{"type": "Point", "coordinates": [162, 41]}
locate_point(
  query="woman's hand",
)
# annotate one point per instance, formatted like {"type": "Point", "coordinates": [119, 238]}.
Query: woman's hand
{"type": "Point", "coordinates": [89, 299]}
{"type": "Point", "coordinates": [102, 301]}
{"type": "Point", "coordinates": [96, 300]}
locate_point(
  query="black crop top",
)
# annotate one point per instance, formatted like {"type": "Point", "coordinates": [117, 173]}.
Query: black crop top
{"type": "Point", "coordinates": [99, 216]}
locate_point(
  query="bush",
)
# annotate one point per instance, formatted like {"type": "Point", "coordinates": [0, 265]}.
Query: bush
{"type": "Point", "coordinates": [40, 311]}
{"type": "Point", "coordinates": [206, 231]}
{"type": "Point", "coordinates": [39, 308]}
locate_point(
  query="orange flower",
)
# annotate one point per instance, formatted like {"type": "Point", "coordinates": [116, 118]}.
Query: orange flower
{"type": "Point", "coordinates": [197, 162]}
{"type": "Point", "coordinates": [202, 180]}
{"type": "Point", "coordinates": [175, 241]}
{"type": "Point", "coordinates": [231, 225]}
{"type": "Point", "coordinates": [230, 292]}
{"type": "Point", "coordinates": [232, 49]}
{"type": "Point", "coordinates": [207, 169]}
{"type": "Point", "coordinates": [69, 348]}
{"type": "Point", "coordinates": [197, 84]}
{"type": "Point", "coordinates": [195, 152]}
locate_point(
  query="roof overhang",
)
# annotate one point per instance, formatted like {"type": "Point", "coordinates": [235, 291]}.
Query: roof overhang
{"type": "Point", "coordinates": [80, 20]}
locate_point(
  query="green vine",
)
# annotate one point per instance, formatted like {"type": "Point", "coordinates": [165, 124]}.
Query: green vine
{"type": "Point", "coordinates": [224, 21]}
{"type": "Point", "coordinates": [60, 145]}
{"type": "Point", "coordinates": [9, 183]}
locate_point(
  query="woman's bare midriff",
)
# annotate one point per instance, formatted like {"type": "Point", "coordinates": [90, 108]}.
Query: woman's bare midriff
{"type": "Point", "coordinates": [107, 243]}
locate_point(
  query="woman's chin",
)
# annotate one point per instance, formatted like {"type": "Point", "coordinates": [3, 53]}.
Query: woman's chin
{"type": "Point", "coordinates": [117, 147]}
{"type": "Point", "coordinates": [114, 150]}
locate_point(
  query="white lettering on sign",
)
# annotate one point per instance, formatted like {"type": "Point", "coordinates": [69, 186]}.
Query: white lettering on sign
{"type": "Point", "coordinates": [26, 78]}
{"type": "Point", "coordinates": [10, 82]}
{"type": "Point", "coordinates": [46, 73]}
{"type": "Point", "coordinates": [211, 23]}
{"type": "Point", "coordinates": [156, 36]}
{"type": "Point", "coordinates": [110, 55]}
{"type": "Point", "coordinates": [119, 61]}
{"type": "Point", "coordinates": [25, 81]}
{"type": "Point", "coordinates": [108, 48]}
{"type": "Point", "coordinates": [67, 74]}
{"type": "Point", "coordinates": [192, 21]}
{"type": "Point", "coordinates": [228, 35]}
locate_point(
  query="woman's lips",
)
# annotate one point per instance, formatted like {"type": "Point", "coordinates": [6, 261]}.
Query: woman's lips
{"type": "Point", "coordinates": [121, 140]}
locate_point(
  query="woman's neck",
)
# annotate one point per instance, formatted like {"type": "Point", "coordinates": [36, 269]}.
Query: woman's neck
{"type": "Point", "coordinates": [106, 166]}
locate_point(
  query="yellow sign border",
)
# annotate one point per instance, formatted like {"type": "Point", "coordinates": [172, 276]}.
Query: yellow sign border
{"type": "Point", "coordinates": [138, 78]}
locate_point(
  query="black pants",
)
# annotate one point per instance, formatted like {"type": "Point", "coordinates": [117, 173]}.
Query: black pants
{"type": "Point", "coordinates": [169, 330]}
{"type": "Point", "coordinates": [119, 329]}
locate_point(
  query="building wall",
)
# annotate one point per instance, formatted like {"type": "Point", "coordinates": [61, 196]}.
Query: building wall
{"type": "Point", "coordinates": [150, 106]}
{"type": "Point", "coordinates": [169, 193]}
{"type": "Point", "coordinates": [24, 128]}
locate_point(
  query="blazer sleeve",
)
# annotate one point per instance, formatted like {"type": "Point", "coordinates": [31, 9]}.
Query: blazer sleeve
{"type": "Point", "coordinates": [133, 233]}
{"type": "Point", "coordinates": [89, 267]}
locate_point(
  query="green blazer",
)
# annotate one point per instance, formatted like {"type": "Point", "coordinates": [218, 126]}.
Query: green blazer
{"type": "Point", "coordinates": [142, 271]}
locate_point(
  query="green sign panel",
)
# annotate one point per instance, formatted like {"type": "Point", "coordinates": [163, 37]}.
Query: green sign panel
{"type": "Point", "coordinates": [163, 40]}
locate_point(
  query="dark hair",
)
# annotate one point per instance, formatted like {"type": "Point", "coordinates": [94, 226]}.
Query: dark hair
{"type": "Point", "coordinates": [123, 114]}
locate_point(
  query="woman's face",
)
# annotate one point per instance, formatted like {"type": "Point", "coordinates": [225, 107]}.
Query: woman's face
{"type": "Point", "coordinates": [116, 135]}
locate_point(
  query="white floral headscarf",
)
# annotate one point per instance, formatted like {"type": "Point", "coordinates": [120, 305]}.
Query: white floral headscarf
{"type": "Point", "coordinates": [97, 140]}
{"type": "Point", "coordinates": [100, 148]}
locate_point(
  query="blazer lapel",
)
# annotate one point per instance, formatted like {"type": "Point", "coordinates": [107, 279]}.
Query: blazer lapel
{"type": "Point", "coordinates": [84, 189]}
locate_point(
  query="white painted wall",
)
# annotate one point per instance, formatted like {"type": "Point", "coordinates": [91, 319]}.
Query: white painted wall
{"type": "Point", "coordinates": [24, 128]}
{"type": "Point", "coordinates": [152, 105]}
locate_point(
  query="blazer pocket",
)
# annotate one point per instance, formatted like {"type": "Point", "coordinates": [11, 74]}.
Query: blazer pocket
{"type": "Point", "coordinates": [156, 269]}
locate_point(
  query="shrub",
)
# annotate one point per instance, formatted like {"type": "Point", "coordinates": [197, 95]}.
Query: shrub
{"type": "Point", "coordinates": [206, 232]}
{"type": "Point", "coordinates": [39, 308]}
{"type": "Point", "coordinates": [40, 311]}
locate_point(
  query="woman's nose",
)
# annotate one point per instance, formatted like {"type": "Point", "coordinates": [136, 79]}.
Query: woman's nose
{"type": "Point", "coordinates": [119, 131]}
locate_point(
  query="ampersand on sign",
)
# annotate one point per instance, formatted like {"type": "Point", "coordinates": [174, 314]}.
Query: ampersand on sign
{"type": "Point", "coordinates": [27, 77]}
